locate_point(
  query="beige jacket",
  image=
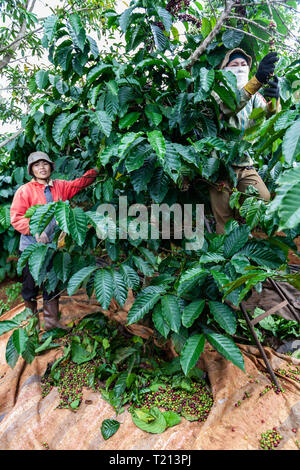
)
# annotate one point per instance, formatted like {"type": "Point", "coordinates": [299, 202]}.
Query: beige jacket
{"type": "Point", "coordinates": [248, 98]}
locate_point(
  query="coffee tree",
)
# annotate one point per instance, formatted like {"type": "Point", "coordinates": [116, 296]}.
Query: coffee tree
{"type": "Point", "coordinates": [144, 114]}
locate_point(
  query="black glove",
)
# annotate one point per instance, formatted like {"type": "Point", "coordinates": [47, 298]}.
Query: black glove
{"type": "Point", "coordinates": [272, 91]}
{"type": "Point", "coordinates": [266, 67]}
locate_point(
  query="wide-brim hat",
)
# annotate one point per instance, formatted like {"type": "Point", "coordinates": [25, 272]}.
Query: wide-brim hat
{"type": "Point", "coordinates": [237, 49]}
{"type": "Point", "coordinates": [35, 157]}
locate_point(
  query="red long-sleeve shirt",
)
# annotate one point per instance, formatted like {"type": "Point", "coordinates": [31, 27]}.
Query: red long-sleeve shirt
{"type": "Point", "coordinates": [32, 193]}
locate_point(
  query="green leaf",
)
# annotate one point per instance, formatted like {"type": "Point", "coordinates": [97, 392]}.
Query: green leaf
{"type": "Point", "coordinates": [171, 418]}
{"type": "Point", "coordinates": [120, 290]}
{"type": "Point", "coordinates": [24, 257]}
{"type": "Point", "coordinates": [41, 218]}
{"type": "Point", "coordinates": [232, 38]}
{"type": "Point", "coordinates": [80, 354]}
{"type": "Point", "coordinates": [129, 119]}
{"type": "Point", "coordinates": [165, 17]}
{"type": "Point", "coordinates": [225, 96]}
{"type": "Point", "coordinates": [78, 225]}
{"type": "Point", "coordinates": [113, 87]}
{"type": "Point", "coordinates": [11, 353]}
{"type": "Point", "coordinates": [75, 404]}
{"type": "Point", "coordinates": [59, 127]}
{"type": "Point", "coordinates": [226, 347]}
{"type": "Point", "coordinates": [102, 121]}
{"type": "Point", "coordinates": [96, 71]}
{"type": "Point", "coordinates": [250, 280]}
{"type": "Point", "coordinates": [171, 312]}
{"type": "Point", "coordinates": [120, 385]}
{"type": "Point", "coordinates": [104, 287]}
{"type": "Point", "coordinates": [144, 302]}
{"type": "Point", "coordinates": [211, 258]}
{"type": "Point", "coordinates": [7, 325]}
{"type": "Point", "coordinates": [160, 39]}
{"type": "Point", "coordinates": [127, 141]}
{"type": "Point", "coordinates": [109, 427]}
{"type": "Point", "coordinates": [20, 317]}
{"type": "Point", "coordinates": [253, 210]}
{"type": "Point", "coordinates": [41, 79]}
{"type": "Point", "coordinates": [159, 321]}
{"type": "Point", "coordinates": [190, 278]}
{"type": "Point", "coordinates": [63, 55]}
{"type": "Point", "coordinates": [207, 77]}
{"type": "Point", "coordinates": [156, 422]}
{"type": "Point", "coordinates": [289, 211]}
{"type": "Point", "coordinates": [135, 158]}
{"type": "Point", "coordinates": [192, 311]}
{"type": "Point", "coordinates": [205, 27]}
{"type": "Point", "coordinates": [220, 278]}
{"type": "Point", "coordinates": [78, 278]}
{"type": "Point", "coordinates": [124, 19]}
{"type": "Point", "coordinates": [5, 216]}
{"type": "Point", "coordinates": [108, 189]}
{"type": "Point", "coordinates": [130, 276]}
{"type": "Point", "coordinates": [44, 345]}
{"type": "Point", "coordinates": [37, 260]}
{"type": "Point", "coordinates": [143, 266]}
{"type": "Point", "coordinates": [159, 185]}
{"type": "Point", "coordinates": [62, 215]}
{"type": "Point", "coordinates": [20, 338]}
{"type": "Point", "coordinates": [261, 254]}
{"type": "Point", "coordinates": [236, 240]}
{"type": "Point", "coordinates": [106, 154]}
{"type": "Point", "coordinates": [62, 264]}
{"type": "Point", "coordinates": [50, 24]}
{"type": "Point", "coordinates": [158, 143]}
{"type": "Point", "coordinates": [148, 254]}
{"type": "Point", "coordinates": [291, 143]}
{"type": "Point", "coordinates": [223, 315]}
{"type": "Point", "coordinates": [29, 351]}
{"type": "Point", "coordinates": [191, 352]}
{"type": "Point", "coordinates": [77, 31]}
{"type": "Point", "coordinates": [153, 113]}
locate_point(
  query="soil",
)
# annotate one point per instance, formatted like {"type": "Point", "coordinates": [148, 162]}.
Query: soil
{"type": "Point", "coordinates": [4, 297]}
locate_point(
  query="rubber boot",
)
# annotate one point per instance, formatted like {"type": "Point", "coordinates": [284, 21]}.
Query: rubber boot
{"type": "Point", "coordinates": [51, 315]}
{"type": "Point", "coordinates": [32, 304]}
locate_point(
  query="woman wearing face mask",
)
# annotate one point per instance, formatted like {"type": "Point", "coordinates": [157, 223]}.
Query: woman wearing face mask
{"type": "Point", "coordinates": [239, 63]}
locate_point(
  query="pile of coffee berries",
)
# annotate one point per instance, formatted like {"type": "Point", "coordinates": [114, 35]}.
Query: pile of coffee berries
{"type": "Point", "coordinates": [291, 373]}
{"type": "Point", "coordinates": [272, 25]}
{"type": "Point", "coordinates": [73, 377]}
{"type": "Point", "coordinates": [195, 404]}
{"type": "Point", "coordinates": [276, 389]}
{"type": "Point", "coordinates": [270, 439]}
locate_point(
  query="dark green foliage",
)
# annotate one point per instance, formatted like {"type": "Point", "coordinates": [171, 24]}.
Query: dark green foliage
{"type": "Point", "coordinates": [150, 124]}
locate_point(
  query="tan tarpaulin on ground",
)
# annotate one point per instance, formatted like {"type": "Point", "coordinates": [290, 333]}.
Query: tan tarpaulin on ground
{"type": "Point", "coordinates": [27, 420]}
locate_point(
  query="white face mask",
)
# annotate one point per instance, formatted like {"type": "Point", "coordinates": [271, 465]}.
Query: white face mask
{"type": "Point", "coordinates": [241, 73]}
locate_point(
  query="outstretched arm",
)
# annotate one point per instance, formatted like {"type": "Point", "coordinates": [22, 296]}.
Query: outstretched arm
{"type": "Point", "coordinates": [70, 188]}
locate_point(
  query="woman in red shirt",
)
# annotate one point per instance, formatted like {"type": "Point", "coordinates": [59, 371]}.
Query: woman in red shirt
{"type": "Point", "coordinates": [41, 190]}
